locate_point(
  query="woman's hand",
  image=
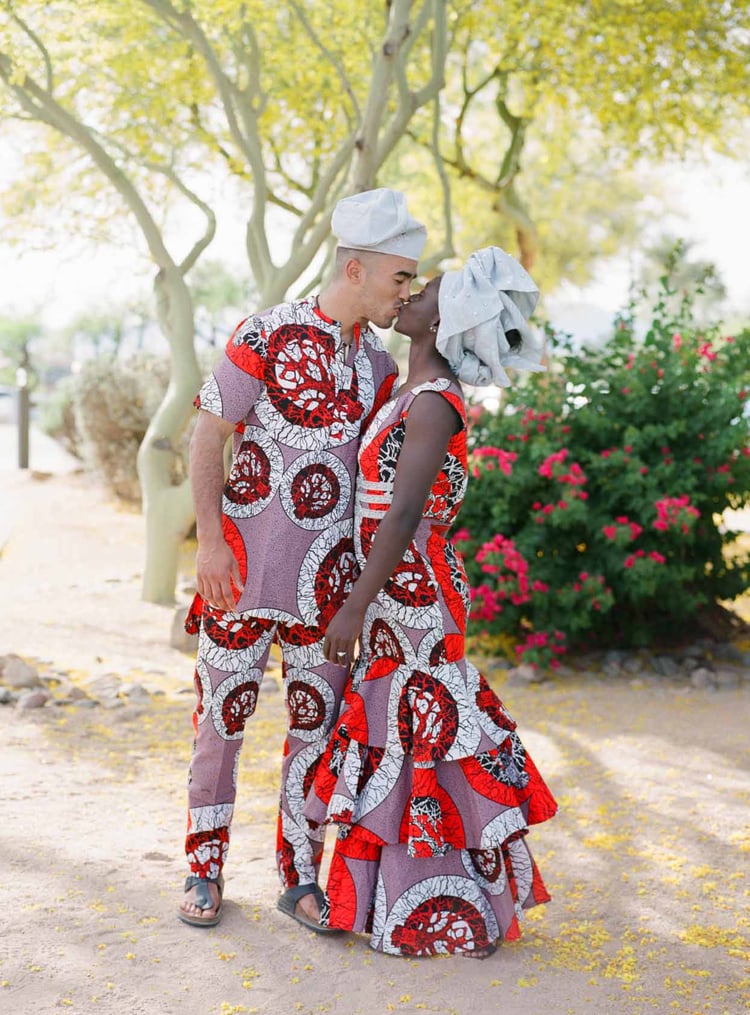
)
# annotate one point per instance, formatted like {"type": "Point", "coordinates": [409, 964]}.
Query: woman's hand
{"type": "Point", "coordinates": [342, 634]}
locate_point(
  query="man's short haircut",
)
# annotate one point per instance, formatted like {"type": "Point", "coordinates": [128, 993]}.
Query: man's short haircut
{"type": "Point", "coordinates": [343, 254]}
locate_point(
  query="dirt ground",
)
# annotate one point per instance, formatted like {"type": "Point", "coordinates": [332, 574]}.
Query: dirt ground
{"type": "Point", "coordinates": [647, 861]}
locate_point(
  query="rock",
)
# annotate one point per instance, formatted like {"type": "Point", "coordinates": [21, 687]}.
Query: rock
{"type": "Point", "coordinates": [689, 663]}
{"type": "Point", "coordinates": [612, 668]}
{"type": "Point", "coordinates": [33, 699]}
{"type": "Point", "coordinates": [111, 703]}
{"type": "Point", "coordinates": [694, 651]}
{"type": "Point", "coordinates": [727, 678]}
{"type": "Point", "coordinates": [135, 692]}
{"type": "Point", "coordinates": [178, 637]}
{"type": "Point", "coordinates": [78, 694]}
{"type": "Point", "coordinates": [634, 665]}
{"type": "Point", "coordinates": [615, 655]}
{"type": "Point", "coordinates": [665, 665]}
{"type": "Point", "coordinates": [107, 686]}
{"type": "Point", "coordinates": [525, 674]}
{"type": "Point", "coordinates": [703, 678]}
{"type": "Point", "coordinates": [6, 696]}
{"type": "Point", "coordinates": [16, 672]}
{"type": "Point", "coordinates": [498, 664]}
{"type": "Point", "coordinates": [728, 652]}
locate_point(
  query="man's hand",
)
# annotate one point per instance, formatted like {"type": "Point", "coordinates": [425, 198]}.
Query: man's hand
{"type": "Point", "coordinates": [217, 576]}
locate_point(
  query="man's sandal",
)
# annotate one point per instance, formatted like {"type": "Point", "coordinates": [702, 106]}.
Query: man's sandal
{"type": "Point", "coordinates": [287, 903]}
{"type": "Point", "coordinates": [203, 900]}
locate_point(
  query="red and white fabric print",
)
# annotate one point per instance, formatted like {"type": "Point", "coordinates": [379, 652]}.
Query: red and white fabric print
{"type": "Point", "coordinates": [425, 773]}
{"type": "Point", "coordinates": [299, 400]}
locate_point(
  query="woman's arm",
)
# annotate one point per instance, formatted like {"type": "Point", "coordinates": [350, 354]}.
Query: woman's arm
{"type": "Point", "coordinates": [430, 424]}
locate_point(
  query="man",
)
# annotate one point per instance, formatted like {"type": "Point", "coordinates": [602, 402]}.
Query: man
{"type": "Point", "coordinates": [297, 386]}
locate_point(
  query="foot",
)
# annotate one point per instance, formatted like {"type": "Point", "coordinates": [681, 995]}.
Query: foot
{"type": "Point", "coordinates": [309, 906]}
{"type": "Point", "coordinates": [189, 908]}
{"type": "Point", "coordinates": [303, 904]}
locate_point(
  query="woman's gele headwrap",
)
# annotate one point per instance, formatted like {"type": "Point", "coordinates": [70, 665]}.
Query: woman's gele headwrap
{"type": "Point", "coordinates": [478, 304]}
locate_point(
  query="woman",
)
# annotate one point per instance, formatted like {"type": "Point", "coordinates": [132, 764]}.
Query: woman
{"type": "Point", "coordinates": [425, 775]}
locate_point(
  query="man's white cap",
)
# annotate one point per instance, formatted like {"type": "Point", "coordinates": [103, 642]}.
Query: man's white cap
{"type": "Point", "coordinates": [378, 220]}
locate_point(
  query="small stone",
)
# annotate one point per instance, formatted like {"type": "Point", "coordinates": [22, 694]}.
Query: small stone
{"type": "Point", "coordinates": [178, 636]}
{"type": "Point", "coordinates": [33, 699]}
{"type": "Point", "coordinates": [525, 674]}
{"type": "Point", "coordinates": [689, 663]}
{"type": "Point", "coordinates": [135, 692]}
{"type": "Point", "coordinates": [106, 686]}
{"type": "Point", "coordinates": [111, 703]}
{"type": "Point", "coordinates": [728, 652]}
{"type": "Point", "coordinates": [77, 693]}
{"type": "Point", "coordinates": [615, 655]}
{"type": "Point", "coordinates": [665, 665]}
{"type": "Point", "coordinates": [727, 679]}
{"type": "Point", "coordinates": [16, 672]}
{"type": "Point", "coordinates": [612, 668]}
{"type": "Point", "coordinates": [6, 696]}
{"type": "Point", "coordinates": [702, 678]}
{"type": "Point", "coordinates": [499, 664]}
{"type": "Point", "coordinates": [633, 665]}
{"type": "Point", "coordinates": [693, 651]}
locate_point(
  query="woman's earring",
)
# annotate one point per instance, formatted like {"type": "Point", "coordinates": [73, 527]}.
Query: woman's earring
{"type": "Point", "coordinates": [433, 328]}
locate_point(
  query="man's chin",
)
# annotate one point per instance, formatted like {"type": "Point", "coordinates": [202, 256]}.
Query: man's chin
{"type": "Point", "coordinates": [384, 323]}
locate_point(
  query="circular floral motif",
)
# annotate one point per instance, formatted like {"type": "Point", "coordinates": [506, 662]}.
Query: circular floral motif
{"type": "Point", "coordinates": [487, 867]}
{"type": "Point", "coordinates": [233, 703]}
{"type": "Point", "coordinates": [230, 631]}
{"type": "Point", "coordinates": [427, 718]}
{"type": "Point", "coordinates": [256, 473]}
{"type": "Point", "coordinates": [327, 574]}
{"type": "Point", "coordinates": [440, 916]}
{"type": "Point", "coordinates": [311, 703]}
{"type": "Point", "coordinates": [305, 407]}
{"type": "Point", "coordinates": [316, 490]}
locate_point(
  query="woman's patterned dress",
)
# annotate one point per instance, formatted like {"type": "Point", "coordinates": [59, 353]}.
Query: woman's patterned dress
{"type": "Point", "coordinates": [425, 773]}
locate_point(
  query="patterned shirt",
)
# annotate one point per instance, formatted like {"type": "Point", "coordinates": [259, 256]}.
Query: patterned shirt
{"type": "Point", "coordinates": [301, 400]}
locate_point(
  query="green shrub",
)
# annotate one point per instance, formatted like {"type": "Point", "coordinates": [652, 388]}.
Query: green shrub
{"type": "Point", "coordinates": [594, 513]}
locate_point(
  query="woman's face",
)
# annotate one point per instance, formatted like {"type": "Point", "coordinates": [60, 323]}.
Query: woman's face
{"type": "Point", "coordinates": [420, 312]}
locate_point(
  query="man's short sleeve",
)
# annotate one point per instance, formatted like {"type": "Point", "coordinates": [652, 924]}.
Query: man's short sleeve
{"type": "Point", "coordinates": [238, 379]}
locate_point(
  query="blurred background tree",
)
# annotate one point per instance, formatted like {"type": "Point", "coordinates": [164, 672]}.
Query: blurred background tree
{"type": "Point", "coordinates": [144, 120]}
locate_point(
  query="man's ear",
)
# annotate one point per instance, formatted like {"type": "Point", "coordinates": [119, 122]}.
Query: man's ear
{"type": "Point", "coordinates": [354, 271]}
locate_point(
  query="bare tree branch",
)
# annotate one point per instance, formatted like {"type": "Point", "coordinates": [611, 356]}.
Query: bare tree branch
{"type": "Point", "coordinates": [42, 106]}
{"type": "Point", "coordinates": [242, 119]}
{"type": "Point", "coordinates": [332, 59]}
{"type": "Point", "coordinates": [43, 52]}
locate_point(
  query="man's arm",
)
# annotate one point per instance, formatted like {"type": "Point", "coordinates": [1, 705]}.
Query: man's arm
{"type": "Point", "coordinates": [216, 567]}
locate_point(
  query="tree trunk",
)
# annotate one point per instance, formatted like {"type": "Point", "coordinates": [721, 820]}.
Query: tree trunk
{"type": "Point", "coordinates": [168, 507]}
